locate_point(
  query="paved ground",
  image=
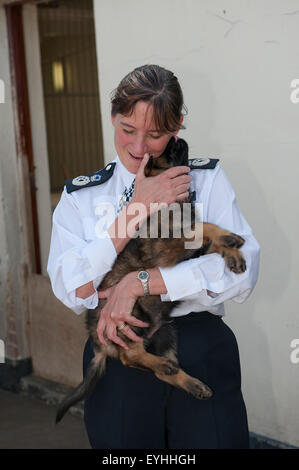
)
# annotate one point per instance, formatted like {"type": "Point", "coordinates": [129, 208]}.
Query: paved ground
{"type": "Point", "coordinates": [27, 423]}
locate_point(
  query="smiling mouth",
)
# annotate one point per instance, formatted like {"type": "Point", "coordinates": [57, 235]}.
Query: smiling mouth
{"type": "Point", "coordinates": [135, 158]}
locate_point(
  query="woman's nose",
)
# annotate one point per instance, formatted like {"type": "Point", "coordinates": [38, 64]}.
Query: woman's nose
{"type": "Point", "coordinates": [140, 147]}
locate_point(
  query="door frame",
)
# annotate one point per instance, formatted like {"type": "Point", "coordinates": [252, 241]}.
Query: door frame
{"type": "Point", "coordinates": [23, 134]}
{"type": "Point", "coordinates": [55, 335]}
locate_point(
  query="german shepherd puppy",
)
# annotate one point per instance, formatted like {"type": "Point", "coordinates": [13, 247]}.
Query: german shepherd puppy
{"type": "Point", "coordinates": [158, 352]}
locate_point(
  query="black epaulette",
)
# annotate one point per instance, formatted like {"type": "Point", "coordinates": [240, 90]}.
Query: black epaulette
{"type": "Point", "coordinates": [73, 184]}
{"type": "Point", "coordinates": [202, 163]}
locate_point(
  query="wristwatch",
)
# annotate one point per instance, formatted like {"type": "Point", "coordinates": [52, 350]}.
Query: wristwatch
{"type": "Point", "coordinates": [143, 277]}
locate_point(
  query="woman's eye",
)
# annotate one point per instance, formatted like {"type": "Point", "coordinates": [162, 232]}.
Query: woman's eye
{"type": "Point", "coordinates": [155, 136]}
{"type": "Point", "coordinates": [151, 136]}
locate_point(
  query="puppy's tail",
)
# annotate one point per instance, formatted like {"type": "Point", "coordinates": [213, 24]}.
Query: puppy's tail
{"type": "Point", "coordinates": [95, 371]}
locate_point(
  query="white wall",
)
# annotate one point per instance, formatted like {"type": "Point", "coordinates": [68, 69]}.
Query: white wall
{"type": "Point", "coordinates": [235, 60]}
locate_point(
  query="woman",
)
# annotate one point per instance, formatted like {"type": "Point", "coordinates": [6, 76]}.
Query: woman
{"type": "Point", "coordinates": [131, 408]}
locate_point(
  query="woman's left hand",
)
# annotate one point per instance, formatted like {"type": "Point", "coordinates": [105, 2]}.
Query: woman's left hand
{"type": "Point", "coordinates": [121, 299]}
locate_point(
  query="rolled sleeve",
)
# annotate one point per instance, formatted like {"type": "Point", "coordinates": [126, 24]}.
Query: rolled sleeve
{"type": "Point", "coordinates": [79, 305]}
{"type": "Point", "coordinates": [73, 261]}
{"type": "Point", "coordinates": [108, 254]}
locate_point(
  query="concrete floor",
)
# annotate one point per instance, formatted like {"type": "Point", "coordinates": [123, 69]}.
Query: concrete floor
{"type": "Point", "coordinates": [27, 423]}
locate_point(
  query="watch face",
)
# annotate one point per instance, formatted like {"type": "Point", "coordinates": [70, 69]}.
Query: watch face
{"type": "Point", "coordinates": [143, 275]}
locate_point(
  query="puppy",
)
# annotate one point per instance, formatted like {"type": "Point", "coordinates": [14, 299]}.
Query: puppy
{"type": "Point", "coordinates": [158, 351]}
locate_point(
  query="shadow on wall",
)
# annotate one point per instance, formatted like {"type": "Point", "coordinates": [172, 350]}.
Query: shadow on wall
{"type": "Point", "coordinates": [260, 326]}
{"type": "Point", "coordinates": [261, 323]}
{"type": "Point", "coordinates": [259, 329]}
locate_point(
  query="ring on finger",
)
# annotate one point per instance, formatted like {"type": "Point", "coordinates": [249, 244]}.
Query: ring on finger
{"type": "Point", "coordinates": [122, 326]}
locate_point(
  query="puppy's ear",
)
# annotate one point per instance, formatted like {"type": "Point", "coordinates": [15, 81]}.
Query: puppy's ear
{"type": "Point", "coordinates": [182, 152]}
{"type": "Point", "coordinates": [177, 152]}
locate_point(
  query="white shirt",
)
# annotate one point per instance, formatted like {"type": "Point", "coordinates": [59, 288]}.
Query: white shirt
{"type": "Point", "coordinates": [78, 255]}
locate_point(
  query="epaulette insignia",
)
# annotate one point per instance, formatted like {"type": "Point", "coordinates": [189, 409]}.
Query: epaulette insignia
{"type": "Point", "coordinates": [202, 163]}
{"type": "Point", "coordinates": [73, 184]}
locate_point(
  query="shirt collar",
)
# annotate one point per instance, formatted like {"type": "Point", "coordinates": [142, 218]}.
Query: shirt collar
{"type": "Point", "coordinates": [126, 175]}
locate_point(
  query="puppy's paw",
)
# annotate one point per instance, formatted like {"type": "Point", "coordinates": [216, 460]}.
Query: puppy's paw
{"type": "Point", "coordinates": [198, 389]}
{"type": "Point", "coordinates": [235, 261]}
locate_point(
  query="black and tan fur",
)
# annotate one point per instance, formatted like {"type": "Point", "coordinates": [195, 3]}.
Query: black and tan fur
{"type": "Point", "coordinates": [158, 352]}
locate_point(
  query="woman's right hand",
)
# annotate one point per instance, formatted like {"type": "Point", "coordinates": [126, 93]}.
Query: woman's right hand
{"type": "Point", "coordinates": [170, 186]}
{"type": "Point", "coordinates": [117, 311]}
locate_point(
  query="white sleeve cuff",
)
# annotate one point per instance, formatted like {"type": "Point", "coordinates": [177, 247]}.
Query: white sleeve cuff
{"type": "Point", "coordinates": [165, 297]}
{"type": "Point", "coordinates": [179, 281]}
{"type": "Point", "coordinates": [79, 305]}
{"type": "Point", "coordinates": [191, 276]}
{"type": "Point", "coordinates": [90, 302]}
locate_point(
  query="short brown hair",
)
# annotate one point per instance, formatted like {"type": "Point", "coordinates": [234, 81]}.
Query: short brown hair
{"type": "Point", "coordinates": [156, 86]}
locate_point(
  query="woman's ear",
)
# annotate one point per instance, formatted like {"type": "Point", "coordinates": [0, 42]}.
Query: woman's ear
{"type": "Point", "coordinates": [181, 120]}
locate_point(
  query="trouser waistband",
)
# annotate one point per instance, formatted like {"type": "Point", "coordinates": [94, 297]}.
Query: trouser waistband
{"type": "Point", "coordinates": [193, 315]}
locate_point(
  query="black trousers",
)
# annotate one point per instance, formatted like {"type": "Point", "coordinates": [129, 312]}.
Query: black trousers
{"type": "Point", "coordinates": [132, 409]}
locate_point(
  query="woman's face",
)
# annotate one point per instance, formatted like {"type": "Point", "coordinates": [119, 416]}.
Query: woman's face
{"type": "Point", "coordinates": [136, 135]}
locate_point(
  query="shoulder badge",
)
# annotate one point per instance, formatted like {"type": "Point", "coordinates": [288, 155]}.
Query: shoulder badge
{"type": "Point", "coordinates": [73, 184]}
{"type": "Point", "coordinates": [202, 163]}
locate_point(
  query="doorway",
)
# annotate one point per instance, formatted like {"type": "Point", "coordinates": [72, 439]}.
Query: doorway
{"type": "Point", "coordinates": [71, 92]}
{"type": "Point", "coordinates": [59, 108]}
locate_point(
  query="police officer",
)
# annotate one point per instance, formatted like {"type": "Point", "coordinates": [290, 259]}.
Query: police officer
{"type": "Point", "coordinates": [131, 408]}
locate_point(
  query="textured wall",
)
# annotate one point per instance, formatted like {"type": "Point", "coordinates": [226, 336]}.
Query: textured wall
{"type": "Point", "coordinates": [235, 61]}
